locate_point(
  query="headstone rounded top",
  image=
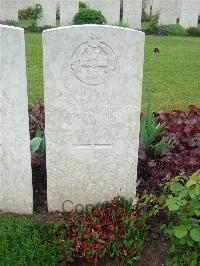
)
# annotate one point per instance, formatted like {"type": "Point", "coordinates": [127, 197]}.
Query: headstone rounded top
{"type": "Point", "coordinates": [89, 26]}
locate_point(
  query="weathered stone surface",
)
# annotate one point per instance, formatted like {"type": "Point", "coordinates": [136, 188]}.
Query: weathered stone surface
{"type": "Point", "coordinates": [168, 12]}
{"type": "Point", "coordinates": [132, 13]}
{"type": "Point", "coordinates": [8, 10]}
{"type": "Point", "coordinates": [49, 13]}
{"type": "Point", "coordinates": [93, 85]}
{"type": "Point", "coordinates": [15, 160]}
{"type": "Point", "coordinates": [68, 9]}
{"type": "Point", "coordinates": [155, 6]}
{"type": "Point", "coordinates": [189, 13]}
{"type": "Point", "coordinates": [109, 8]}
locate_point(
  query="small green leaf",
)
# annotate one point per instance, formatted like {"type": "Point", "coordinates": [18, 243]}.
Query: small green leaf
{"type": "Point", "coordinates": [180, 231]}
{"type": "Point", "coordinates": [195, 234]}
{"type": "Point", "coordinates": [197, 212]}
{"type": "Point", "coordinates": [172, 204]}
{"type": "Point", "coordinates": [35, 144]}
{"type": "Point", "coordinates": [197, 189]}
{"type": "Point", "coordinates": [192, 194]}
{"type": "Point", "coordinates": [193, 180]}
{"type": "Point", "coordinates": [176, 187]}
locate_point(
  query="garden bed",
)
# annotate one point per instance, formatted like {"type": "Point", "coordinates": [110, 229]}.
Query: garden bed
{"type": "Point", "coordinates": [161, 228]}
{"type": "Point", "coordinates": [182, 156]}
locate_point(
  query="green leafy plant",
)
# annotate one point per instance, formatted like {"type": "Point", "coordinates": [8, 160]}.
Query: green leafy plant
{"type": "Point", "coordinates": [89, 16]}
{"type": "Point", "coordinates": [38, 142]}
{"type": "Point", "coordinates": [32, 13]}
{"type": "Point", "coordinates": [183, 229]}
{"type": "Point", "coordinates": [171, 30]}
{"type": "Point", "coordinates": [35, 28]}
{"type": "Point", "coordinates": [149, 131]}
{"type": "Point", "coordinates": [194, 32]}
{"type": "Point", "coordinates": [153, 23]}
{"type": "Point", "coordinates": [176, 30]}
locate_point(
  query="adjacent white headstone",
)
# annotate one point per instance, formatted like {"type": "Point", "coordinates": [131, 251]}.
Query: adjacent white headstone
{"type": "Point", "coordinates": [168, 12]}
{"type": "Point", "coordinates": [179, 8]}
{"type": "Point", "coordinates": [15, 161]}
{"type": "Point", "coordinates": [68, 9]}
{"type": "Point", "coordinates": [109, 8]}
{"type": "Point", "coordinates": [49, 13]}
{"type": "Point", "coordinates": [132, 13]}
{"type": "Point", "coordinates": [199, 6]}
{"type": "Point", "coordinates": [189, 13]}
{"type": "Point", "coordinates": [93, 85]}
{"type": "Point", "coordinates": [8, 10]}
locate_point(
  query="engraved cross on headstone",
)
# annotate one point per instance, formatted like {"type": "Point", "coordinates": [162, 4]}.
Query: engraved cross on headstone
{"type": "Point", "coordinates": [93, 147]}
{"type": "Point", "coordinates": [90, 149]}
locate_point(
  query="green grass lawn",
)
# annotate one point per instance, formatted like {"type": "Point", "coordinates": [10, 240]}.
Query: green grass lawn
{"type": "Point", "coordinates": [171, 79]}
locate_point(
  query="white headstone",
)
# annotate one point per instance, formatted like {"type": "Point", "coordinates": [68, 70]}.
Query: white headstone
{"type": "Point", "coordinates": [93, 85]}
{"type": "Point", "coordinates": [68, 9]}
{"type": "Point", "coordinates": [189, 13]}
{"type": "Point", "coordinates": [109, 8]}
{"type": "Point", "coordinates": [8, 10]}
{"type": "Point", "coordinates": [132, 13]}
{"type": "Point", "coordinates": [179, 8]}
{"type": "Point", "coordinates": [168, 12]}
{"type": "Point", "coordinates": [15, 161]}
{"type": "Point", "coordinates": [49, 13]}
{"type": "Point", "coordinates": [199, 6]}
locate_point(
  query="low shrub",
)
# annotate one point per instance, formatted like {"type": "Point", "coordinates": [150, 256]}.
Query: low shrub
{"type": "Point", "coordinates": [176, 30]}
{"type": "Point", "coordinates": [194, 32]}
{"type": "Point", "coordinates": [183, 228]}
{"type": "Point", "coordinates": [114, 229]}
{"type": "Point", "coordinates": [35, 28]}
{"type": "Point", "coordinates": [32, 13]}
{"type": "Point", "coordinates": [89, 16]}
{"type": "Point", "coordinates": [173, 30]}
{"type": "Point", "coordinates": [149, 131]}
{"type": "Point", "coordinates": [153, 26]}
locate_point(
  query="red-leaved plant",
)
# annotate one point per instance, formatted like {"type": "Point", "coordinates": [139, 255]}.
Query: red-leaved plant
{"type": "Point", "coordinates": [114, 229]}
{"type": "Point", "coordinates": [183, 155]}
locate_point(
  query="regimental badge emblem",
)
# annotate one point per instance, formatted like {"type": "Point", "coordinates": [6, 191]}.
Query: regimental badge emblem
{"type": "Point", "coordinates": [93, 62]}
